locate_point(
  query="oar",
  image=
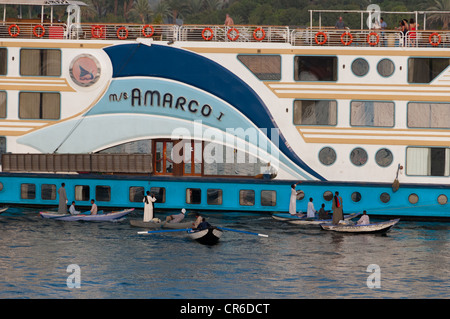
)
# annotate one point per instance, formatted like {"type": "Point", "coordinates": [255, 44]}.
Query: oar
{"type": "Point", "coordinates": [242, 231]}
{"type": "Point", "coordinates": [162, 231]}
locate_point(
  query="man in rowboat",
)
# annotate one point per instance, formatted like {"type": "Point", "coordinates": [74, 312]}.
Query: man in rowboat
{"type": "Point", "coordinates": [364, 220]}
{"type": "Point", "coordinates": [176, 218]}
{"type": "Point", "coordinates": [94, 208]}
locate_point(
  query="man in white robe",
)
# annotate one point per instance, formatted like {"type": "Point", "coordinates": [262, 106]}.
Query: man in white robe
{"type": "Point", "coordinates": [148, 206]}
{"type": "Point", "coordinates": [310, 212]}
{"type": "Point", "coordinates": [62, 204]}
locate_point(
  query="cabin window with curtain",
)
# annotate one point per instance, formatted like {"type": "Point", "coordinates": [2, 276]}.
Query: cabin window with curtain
{"type": "Point", "coordinates": [2, 104]}
{"type": "Point", "coordinates": [40, 62]}
{"type": "Point", "coordinates": [315, 68]}
{"type": "Point", "coordinates": [264, 67]}
{"type": "Point", "coordinates": [429, 115]}
{"type": "Point", "coordinates": [39, 105]}
{"type": "Point", "coordinates": [425, 70]}
{"type": "Point", "coordinates": [3, 61]}
{"type": "Point", "coordinates": [371, 113]}
{"type": "Point", "coordinates": [428, 161]}
{"type": "Point", "coordinates": [315, 112]}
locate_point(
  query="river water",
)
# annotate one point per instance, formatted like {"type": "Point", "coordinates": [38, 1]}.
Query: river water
{"type": "Point", "coordinates": [294, 262]}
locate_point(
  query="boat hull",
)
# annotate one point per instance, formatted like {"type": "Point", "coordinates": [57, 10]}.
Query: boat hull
{"type": "Point", "coordinates": [209, 236]}
{"type": "Point", "coordinates": [381, 227]}
{"type": "Point", "coordinates": [83, 217]}
{"type": "Point", "coordinates": [142, 224]}
{"type": "Point", "coordinates": [306, 221]}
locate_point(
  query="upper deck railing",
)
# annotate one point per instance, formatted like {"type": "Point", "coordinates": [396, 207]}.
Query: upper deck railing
{"type": "Point", "coordinates": [220, 33]}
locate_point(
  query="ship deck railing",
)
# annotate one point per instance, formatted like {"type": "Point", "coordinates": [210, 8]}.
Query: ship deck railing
{"type": "Point", "coordinates": [314, 36]}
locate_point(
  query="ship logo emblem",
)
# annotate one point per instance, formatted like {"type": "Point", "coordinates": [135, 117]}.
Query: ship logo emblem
{"type": "Point", "coordinates": [85, 70]}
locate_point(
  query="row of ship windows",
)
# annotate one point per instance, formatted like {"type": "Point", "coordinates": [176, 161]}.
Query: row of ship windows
{"type": "Point", "coordinates": [384, 197]}
{"type": "Point", "coordinates": [136, 194]}
{"type": "Point", "coordinates": [193, 195]}
{"type": "Point", "coordinates": [371, 113]}
{"type": "Point", "coordinates": [47, 62]}
{"type": "Point", "coordinates": [325, 68]}
{"type": "Point", "coordinates": [420, 161]}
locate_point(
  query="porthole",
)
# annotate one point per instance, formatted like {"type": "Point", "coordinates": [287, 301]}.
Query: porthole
{"type": "Point", "coordinates": [328, 196]}
{"type": "Point", "coordinates": [360, 67]}
{"type": "Point", "coordinates": [385, 68]}
{"type": "Point", "coordinates": [327, 156]}
{"type": "Point", "coordinates": [358, 156]}
{"type": "Point", "coordinates": [356, 197]}
{"type": "Point", "coordinates": [384, 157]}
{"type": "Point", "coordinates": [385, 197]}
{"type": "Point", "coordinates": [442, 199]}
{"type": "Point", "coordinates": [413, 198]}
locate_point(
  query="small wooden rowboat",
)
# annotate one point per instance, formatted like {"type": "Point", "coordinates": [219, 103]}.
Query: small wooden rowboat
{"type": "Point", "coordinates": [292, 219]}
{"type": "Point", "coordinates": [86, 217]}
{"type": "Point", "coordinates": [381, 227]}
{"type": "Point", "coordinates": [155, 225]}
{"type": "Point", "coordinates": [208, 236]}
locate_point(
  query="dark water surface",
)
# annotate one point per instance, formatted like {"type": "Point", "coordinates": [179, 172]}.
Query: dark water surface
{"type": "Point", "coordinates": [293, 262]}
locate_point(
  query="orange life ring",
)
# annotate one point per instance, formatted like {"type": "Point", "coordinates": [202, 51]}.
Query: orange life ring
{"type": "Point", "coordinates": [17, 29]}
{"type": "Point", "coordinates": [263, 34]}
{"type": "Point", "coordinates": [97, 31]}
{"type": "Point", "coordinates": [233, 38]}
{"type": "Point", "coordinates": [122, 37]}
{"type": "Point", "coordinates": [144, 31]}
{"type": "Point", "coordinates": [211, 34]}
{"type": "Point", "coordinates": [369, 36]}
{"type": "Point", "coordinates": [324, 35]}
{"type": "Point", "coordinates": [348, 34]}
{"type": "Point", "coordinates": [432, 37]}
{"type": "Point", "coordinates": [39, 35]}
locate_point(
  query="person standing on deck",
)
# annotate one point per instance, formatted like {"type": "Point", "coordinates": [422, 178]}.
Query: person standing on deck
{"type": "Point", "coordinates": [338, 214]}
{"type": "Point", "coordinates": [228, 20]}
{"type": "Point", "coordinates": [293, 200]}
{"type": "Point", "coordinates": [62, 205]}
{"type": "Point", "coordinates": [148, 206]}
{"type": "Point", "coordinates": [310, 212]}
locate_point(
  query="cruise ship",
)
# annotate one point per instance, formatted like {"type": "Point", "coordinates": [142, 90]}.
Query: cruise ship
{"type": "Point", "coordinates": [224, 118]}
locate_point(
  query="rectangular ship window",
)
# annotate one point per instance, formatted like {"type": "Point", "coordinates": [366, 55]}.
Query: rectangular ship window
{"type": "Point", "coordinates": [2, 104]}
{"type": "Point", "coordinates": [102, 193]}
{"type": "Point", "coordinates": [268, 198]}
{"type": "Point", "coordinates": [315, 112]}
{"type": "Point", "coordinates": [371, 113]}
{"type": "Point", "coordinates": [315, 68]}
{"type": "Point", "coordinates": [82, 192]}
{"type": "Point", "coordinates": [428, 161]}
{"type": "Point", "coordinates": [264, 67]}
{"type": "Point", "coordinates": [27, 191]}
{"type": "Point", "coordinates": [160, 194]}
{"type": "Point", "coordinates": [40, 62]}
{"type": "Point", "coordinates": [425, 70]}
{"type": "Point", "coordinates": [247, 197]}
{"type": "Point", "coordinates": [193, 195]}
{"type": "Point", "coordinates": [214, 196]}
{"type": "Point", "coordinates": [429, 115]}
{"type": "Point", "coordinates": [48, 191]}
{"type": "Point", "coordinates": [39, 105]}
{"type": "Point", "coordinates": [3, 61]}
{"type": "Point", "coordinates": [136, 194]}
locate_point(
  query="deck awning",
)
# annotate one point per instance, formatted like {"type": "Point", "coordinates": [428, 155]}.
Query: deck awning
{"type": "Point", "coordinates": [41, 2]}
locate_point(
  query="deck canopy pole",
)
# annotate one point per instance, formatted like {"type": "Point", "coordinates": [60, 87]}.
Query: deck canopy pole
{"type": "Point", "coordinates": [4, 13]}
{"type": "Point", "coordinates": [42, 14]}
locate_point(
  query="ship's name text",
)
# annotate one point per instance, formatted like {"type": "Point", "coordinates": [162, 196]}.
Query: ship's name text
{"type": "Point", "coordinates": [155, 98]}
